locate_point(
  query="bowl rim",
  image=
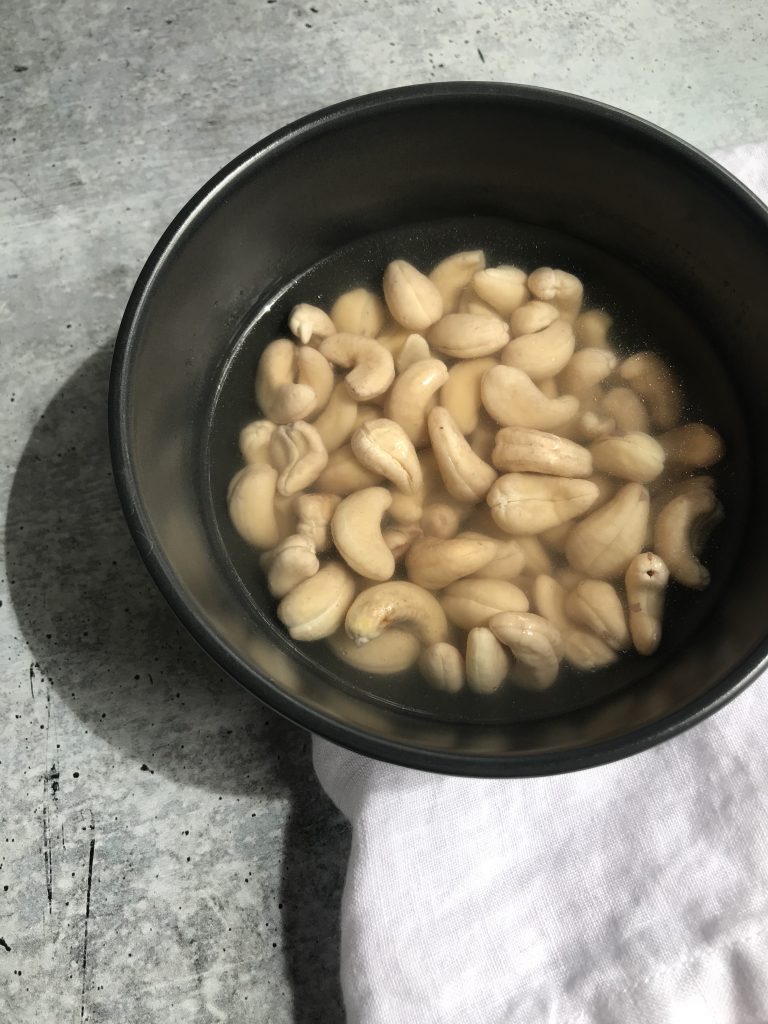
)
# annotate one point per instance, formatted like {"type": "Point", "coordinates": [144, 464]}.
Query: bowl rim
{"type": "Point", "coordinates": [352, 737]}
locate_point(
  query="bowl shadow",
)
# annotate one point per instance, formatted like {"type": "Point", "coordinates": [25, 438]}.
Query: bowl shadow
{"type": "Point", "coordinates": [102, 634]}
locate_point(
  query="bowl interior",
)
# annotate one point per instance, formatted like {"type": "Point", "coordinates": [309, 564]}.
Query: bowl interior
{"type": "Point", "coordinates": [668, 246]}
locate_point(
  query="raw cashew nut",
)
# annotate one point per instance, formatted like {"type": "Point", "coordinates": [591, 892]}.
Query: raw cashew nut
{"type": "Point", "coordinates": [292, 382]}
{"type": "Point", "coordinates": [254, 441]}
{"type": "Point", "coordinates": [586, 369]}
{"type": "Point", "coordinates": [523, 450]}
{"type": "Point", "coordinates": [299, 456]}
{"type": "Point", "coordinates": [634, 456]}
{"type": "Point", "coordinates": [443, 666]}
{"type": "Point", "coordinates": [461, 392]}
{"type": "Point", "coordinates": [681, 529]}
{"type": "Point", "coordinates": [371, 367]}
{"type": "Point", "coordinates": [596, 605]}
{"type": "Point", "coordinates": [464, 474]}
{"type": "Point", "coordinates": [396, 603]}
{"type": "Point", "coordinates": [384, 447]}
{"type": "Point", "coordinates": [653, 380]}
{"type": "Point", "coordinates": [412, 299]}
{"type": "Point", "coordinates": [316, 608]}
{"type": "Point", "coordinates": [532, 317]}
{"type": "Point", "coordinates": [535, 644]}
{"type": "Point", "coordinates": [591, 328]}
{"type": "Point", "coordinates": [251, 501]}
{"type": "Point", "coordinates": [560, 288]}
{"type": "Point", "coordinates": [452, 275]}
{"type": "Point", "coordinates": [314, 513]}
{"type": "Point", "coordinates": [393, 651]}
{"type": "Point", "coordinates": [413, 395]}
{"type": "Point", "coordinates": [399, 539]}
{"type": "Point", "coordinates": [433, 563]}
{"type": "Point", "coordinates": [358, 312]}
{"type": "Point", "coordinates": [507, 563]}
{"type": "Point", "coordinates": [626, 409]}
{"type": "Point", "coordinates": [344, 474]}
{"type": "Point", "coordinates": [414, 348]}
{"type": "Point", "coordinates": [528, 503]}
{"type": "Point", "coordinates": [338, 419]}
{"type": "Point", "coordinates": [310, 322]}
{"type": "Point", "coordinates": [487, 662]}
{"type": "Point", "coordinates": [356, 530]}
{"type": "Point", "coordinates": [646, 583]}
{"type": "Point", "coordinates": [513, 400]}
{"type": "Point", "coordinates": [503, 288]}
{"type": "Point", "coordinates": [474, 601]}
{"type": "Point", "coordinates": [544, 354]}
{"type": "Point", "coordinates": [583, 650]}
{"type": "Point", "coordinates": [291, 562]}
{"type": "Point", "coordinates": [603, 544]}
{"type": "Point", "coordinates": [694, 446]}
{"type": "Point", "coordinates": [468, 336]}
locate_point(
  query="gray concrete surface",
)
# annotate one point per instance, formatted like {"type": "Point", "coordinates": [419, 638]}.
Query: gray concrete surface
{"type": "Point", "coordinates": [165, 853]}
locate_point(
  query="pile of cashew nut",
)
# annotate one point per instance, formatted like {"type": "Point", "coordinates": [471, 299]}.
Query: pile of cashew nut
{"type": "Point", "coordinates": [466, 475]}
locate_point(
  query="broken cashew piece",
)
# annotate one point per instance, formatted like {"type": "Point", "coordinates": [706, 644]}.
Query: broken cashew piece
{"type": "Point", "coordinates": [400, 604]}
{"type": "Point", "coordinates": [513, 400]}
{"type": "Point", "coordinates": [298, 454]}
{"type": "Point", "coordinates": [474, 601]}
{"type": "Point", "coordinates": [452, 275]}
{"type": "Point", "coordinates": [359, 312]}
{"type": "Point", "coordinates": [314, 513]}
{"type": "Point", "coordinates": [532, 317]}
{"type": "Point", "coordinates": [460, 394]}
{"type": "Point", "coordinates": [356, 530]}
{"type": "Point", "coordinates": [344, 474]}
{"type": "Point", "coordinates": [694, 446]}
{"type": "Point", "coordinates": [412, 299]}
{"type": "Point", "coordinates": [393, 651]}
{"type": "Point", "coordinates": [681, 529]}
{"type": "Point", "coordinates": [310, 323]}
{"type": "Point", "coordinates": [523, 450]}
{"type": "Point", "coordinates": [292, 561]}
{"type": "Point", "coordinates": [254, 441]}
{"type": "Point", "coordinates": [503, 288]}
{"type": "Point", "coordinates": [316, 607]}
{"type": "Point", "coordinates": [596, 605]}
{"type": "Point", "coordinates": [634, 456]}
{"type": "Point", "coordinates": [646, 583]}
{"type": "Point", "coordinates": [544, 354]}
{"type": "Point", "coordinates": [603, 544]}
{"type": "Point", "coordinates": [591, 328]}
{"type": "Point", "coordinates": [433, 563]}
{"type": "Point", "coordinates": [384, 447]}
{"type": "Point", "coordinates": [468, 336]}
{"type": "Point", "coordinates": [529, 503]}
{"type": "Point", "coordinates": [371, 367]}
{"type": "Point", "coordinates": [442, 665]}
{"type": "Point", "coordinates": [251, 502]}
{"type": "Point", "coordinates": [487, 662]}
{"type": "Point", "coordinates": [560, 288]}
{"type": "Point", "coordinates": [465, 475]}
{"type": "Point", "coordinates": [655, 383]}
{"type": "Point", "coordinates": [413, 395]}
{"type": "Point", "coordinates": [535, 644]}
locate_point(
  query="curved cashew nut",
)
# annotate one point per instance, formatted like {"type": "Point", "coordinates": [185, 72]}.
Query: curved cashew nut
{"type": "Point", "coordinates": [280, 390]}
{"type": "Point", "coordinates": [393, 651]}
{"type": "Point", "coordinates": [587, 368]}
{"type": "Point", "coordinates": [560, 288]}
{"type": "Point", "coordinates": [371, 367]}
{"type": "Point", "coordinates": [291, 562]}
{"type": "Point", "coordinates": [443, 666]}
{"type": "Point", "coordinates": [474, 601]}
{"type": "Point", "coordinates": [413, 395]}
{"type": "Point", "coordinates": [681, 529]}
{"type": "Point", "coordinates": [412, 299]}
{"type": "Point", "coordinates": [316, 608]}
{"type": "Point", "coordinates": [523, 450]}
{"type": "Point", "coordinates": [356, 530]}
{"type": "Point", "coordinates": [433, 563]}
{"type": "Point", "coordinates": [251, 501]}
{"type": "Point", "coordinates": [634, 456]}
{"type": "Point", "coordinates": [414, 348]}
{"type": "Point", "coordinates": [532, 317]}
{"type": "Point", "coordinates": [464, 474]}
{"type": "Point", "coordinates": [544, 354]}
{"type": "Point", "coordinates": [299, 456]}
{"type": "Point", "coordinates": [646, 582]}
{"type": "Point", "coordinates": [596, 605]}
{"type": "Point", "coordinates": [527, 503]}
{"type": "Point", "coordinates": [344, 474]}
{"type": "Point", "coordinates": [655, 383]}
{"type": "Point", "coordinates": [627, 410]}
{"type": "Point", "coordinates": [503, 288]}
{"type": "Point", "coordinates": [487, 662]}
{"type": "Point", "coordinates": [468, 336]}
{"type": "Point", "coordinates": [338, 419]}
{"type": "Point", "coordinates": [513, 400]}
{"type": "Point", "coordinates": [603, 544]}
{"type": "Point", "coordinates": [694, 445]}
{"type": "Point", "coordinates": [384, 447]}
{"type": "Point", "coordinates": [310, 322]}
{"type": "Point", "coordinates": [460, 394]}
{"type": "Point", "coordinates": [254, 441]}
{"type": "Point", "coordinates": [396, 603]}
{"type": "Point", "coordinates": [314, 513]}
{"type": "Point", "coordinates": [359, 312]}
{"type": "Point", "coordinates": [591, 329]}
{"type": "Point", "coordinates": [454, 273]}
{"type": "Point", "coordinates": [535, 644]}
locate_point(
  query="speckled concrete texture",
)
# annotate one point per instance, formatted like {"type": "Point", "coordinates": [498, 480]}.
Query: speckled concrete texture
{"type": "Point", "coordinates": [165, 852]}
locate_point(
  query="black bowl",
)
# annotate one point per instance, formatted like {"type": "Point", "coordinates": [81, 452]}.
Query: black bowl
{"type": "Point", "coordinates": [676, 243]}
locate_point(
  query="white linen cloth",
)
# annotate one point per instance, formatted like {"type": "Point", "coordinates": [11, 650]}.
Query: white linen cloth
{"type": "Point", "coordinates": [635, 893]}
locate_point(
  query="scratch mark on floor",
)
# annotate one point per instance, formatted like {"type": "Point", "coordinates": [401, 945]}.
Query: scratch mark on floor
{"type": "Point", "coordinates": [32, 680]}
{"type": "Point", "coordinates": [87, 919]}
{"type": "Point", "coordinates": [47, 852]}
